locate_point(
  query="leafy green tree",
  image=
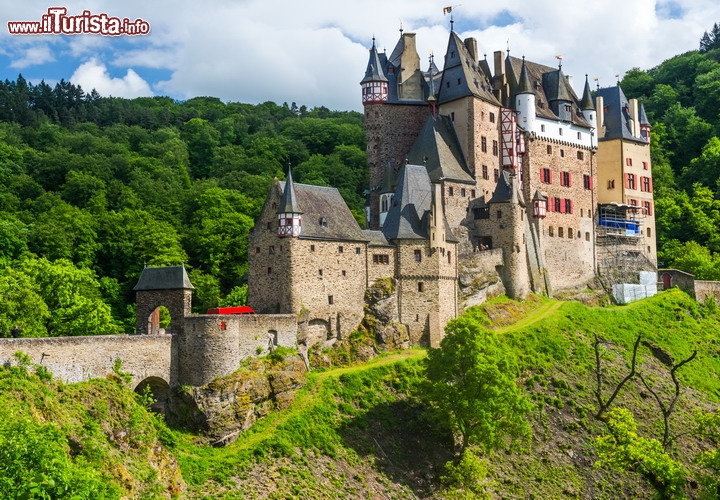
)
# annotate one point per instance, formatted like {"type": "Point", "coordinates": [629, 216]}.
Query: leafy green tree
{"type": "Point", "coordinates": [467, 479]}
{"type": "Point", "coordinates": [21, 305]}
{"type": "Point", "coordinates": [709, 426]}
{"type": "Point", "coordinates": [622, 449]}
{"type": "Point", "coordinates": [35, 462]}
{"type": "Point", "coordinates": [73, 297]}
{"type": "Point", "coordinates": [201, 139]}
{"type": "Point", "coordinates": [62, 231]}
{"type": "Point", "coordinates": [13, 237]}
{"type": "Point", "coordinates": [237, 297]}
{"type": "Point", "coordinates": [472, 377]}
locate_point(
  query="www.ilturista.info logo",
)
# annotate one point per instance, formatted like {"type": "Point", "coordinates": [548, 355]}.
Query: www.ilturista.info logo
{"type": "Point", "coordinates": [57, 22]}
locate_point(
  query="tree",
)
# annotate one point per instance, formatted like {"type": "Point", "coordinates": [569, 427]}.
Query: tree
{"type": "Point", "coordinates": [622, 449]}
{"type": "Point", "coordinates": [472, 377]}
{"type": "Point", "coordinates": [710, 40]}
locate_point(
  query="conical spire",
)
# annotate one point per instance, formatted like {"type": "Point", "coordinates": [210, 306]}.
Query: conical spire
{"type": "Point", "coordinates": [288, 201]}
{"type": "Point", "coordinates": [586, 104]}
{"type": "Point", "coordinates": [374, 71]}
{"type": "Point", "coordinates": [524, 85]}
{"type": "Point", "coordinates": [642, 118]}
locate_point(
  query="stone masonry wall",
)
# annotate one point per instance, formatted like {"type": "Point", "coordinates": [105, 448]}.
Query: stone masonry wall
{"type": "Point", "coordinates": [268, 262]}
{"type": "Point", "coordinates": [436, 300]}
{"type": "Point", "coordinates": [566, 238]}
{"type": "Point", "coordinates": [178, 302]}
{"type": "Point", "coordinates": [329, 279]}
{"type": "Point", "coordinates": [76, 359]}
{"type": "Point", "coordinates": [384, 267]}
{"type": "Point", "coordinates": [214, 344]}
{"type": "Point", "coordinates": [390, 131]}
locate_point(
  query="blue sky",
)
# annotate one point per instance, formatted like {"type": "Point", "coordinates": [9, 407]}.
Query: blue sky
{"type": "Point", "coordinates": [314, 52]}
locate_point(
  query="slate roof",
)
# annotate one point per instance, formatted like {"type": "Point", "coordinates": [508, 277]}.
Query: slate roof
{"type": "Point", "coordinates": [319, 202]}
{"type": "Point", "coordinates": [376, 238]}
{"type": "Point", "coordinates": [463, 76]}
{"type": "Point", "coordinates": [438, 148]}
{"type": "Point", "coordinates": [617, 115]}
{"type": "Point", "coordinates": [507, 190]}
{"type": "Point", "coordinates": [164, 278]}
{"type": "Point", "coordinates": [549, 84]}
{"type": "Point", "coordinates": [288, 200]}
{"type": "Point", "coordinates": [375, 70]}
{"type": "Point", "coordinates": [407, 218]}
{"type": "Point", "coordinates": [409, 214]}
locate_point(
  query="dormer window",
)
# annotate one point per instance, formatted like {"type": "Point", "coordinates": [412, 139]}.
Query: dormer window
{"type": "Point", "coordinates": [323, 222]}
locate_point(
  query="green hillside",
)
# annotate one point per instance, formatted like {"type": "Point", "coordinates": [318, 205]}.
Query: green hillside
{"type": "Point", "coordinates": [369, 431]}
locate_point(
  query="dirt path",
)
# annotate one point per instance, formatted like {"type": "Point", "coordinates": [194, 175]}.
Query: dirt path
{"type": "Point", "coordinates": [542, 312]}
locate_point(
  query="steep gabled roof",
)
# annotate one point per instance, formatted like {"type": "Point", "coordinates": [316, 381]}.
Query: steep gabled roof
{"type": "Point", "coordinates": [463, 76]}
{"type": "Point", "coordinates": [325, 214]}
{"type": "Point", "coordinates": [616, 114]}
{"type": "Point", "coordinates": [438, 148]}
{"type": "Point", "coordinates": [164, 278]}
{"type": "Point", "coordinates": [549, 85]}
{"type": "Point", "coordinates": [410, 210]}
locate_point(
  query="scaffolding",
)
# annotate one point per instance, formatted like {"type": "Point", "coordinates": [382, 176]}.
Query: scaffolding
{"type": "Point", "coordinates": [620, 243]}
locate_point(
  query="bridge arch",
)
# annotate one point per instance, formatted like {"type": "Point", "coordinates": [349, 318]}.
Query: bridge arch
{"type": "Point", "coordinates": [160, 391]}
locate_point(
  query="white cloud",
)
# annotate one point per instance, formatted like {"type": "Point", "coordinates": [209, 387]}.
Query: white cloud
{"type": "Point", "coordinates": [94, 75]}
{"type": "Point", "coordinates": [32, 56]}
{"type": "Point", "coordinates": [315, 52]}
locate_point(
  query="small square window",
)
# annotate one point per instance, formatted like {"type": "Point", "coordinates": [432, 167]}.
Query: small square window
{"type": "Point", "coordinates": [418, 255]}
{"type": "Point", "coordinates": [357, 250]}
{"type": "Point", "coordinates": [330, 300]}
{"type": "Point", "coordinates": [421, 286]}
{"type": "Point", "coordinates": [341, 249]}
{"type": "Point", "coordinates": [312, 248]}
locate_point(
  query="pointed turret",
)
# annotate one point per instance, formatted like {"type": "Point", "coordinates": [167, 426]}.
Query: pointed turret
{"type": "Point", "coordinates": [525, 101]}
{"type": "Point", "coordinates": [375, 83]}
{"type": "Point", "coordinates": [587, 106]}
{"type": "Point", "coordinates": [644, 124]}
{"type": "Point", "coordinates": [289, 213]}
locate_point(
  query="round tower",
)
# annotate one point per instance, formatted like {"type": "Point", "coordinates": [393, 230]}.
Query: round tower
{"type": "Point", "coordinates": [525, 101]}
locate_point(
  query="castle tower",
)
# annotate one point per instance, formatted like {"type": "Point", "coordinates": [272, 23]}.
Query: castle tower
{"type": "Point", "coordinates": [393, 118]}
{"type": "Point", "coordinates": [507, 222]}
{"type": "Point", "coordinates": [288, 213]}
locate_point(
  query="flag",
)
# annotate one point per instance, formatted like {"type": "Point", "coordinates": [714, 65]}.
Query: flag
{"type": "Point", "coordinates": [559, 58]}
{"type": "Point", "coordinates": [596, 79]}
{"type": "Point", "coordinates": [447, 10]}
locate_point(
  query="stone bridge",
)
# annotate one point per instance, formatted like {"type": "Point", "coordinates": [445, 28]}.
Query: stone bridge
{"type": "Point", "coordinates": [194, 350]}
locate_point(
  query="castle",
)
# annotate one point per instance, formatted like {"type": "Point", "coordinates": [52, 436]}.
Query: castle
{"type": "Point", "coordinates": [503, 164]}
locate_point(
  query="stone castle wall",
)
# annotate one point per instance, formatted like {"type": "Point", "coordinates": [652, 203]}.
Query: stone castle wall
{"type": "Point", "coordinates": [214, 344]}
{"type": "Point", "coordinates": [390, 131]}
{"type": "Point", "coordinates": [383, 266]}
{"type": "Point", "coordinates": [329, 279]}
{"type": "Point", "coordinates": [566, 239]}
{"type": "Point", "coordinates": [269, 263]}
{"type": "Point", "coordinates": [77, 359]}
{"type": "Point", "coordinates": [427, 290]}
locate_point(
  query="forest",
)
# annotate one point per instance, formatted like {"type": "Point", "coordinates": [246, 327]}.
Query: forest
{"type": "Point", "coordinates": [93, 188]}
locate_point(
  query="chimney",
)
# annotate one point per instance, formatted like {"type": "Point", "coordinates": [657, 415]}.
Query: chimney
{"type": "Point", "coordinates": [634, 110]}
{"type": "Point", "coordinates": [471, 46]}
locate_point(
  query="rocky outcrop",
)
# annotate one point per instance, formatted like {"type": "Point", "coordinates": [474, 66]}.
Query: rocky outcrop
{"type": "Point", "coordinates": [224, 408]}
{"type": "Point", "coordinates": [382, 317]}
